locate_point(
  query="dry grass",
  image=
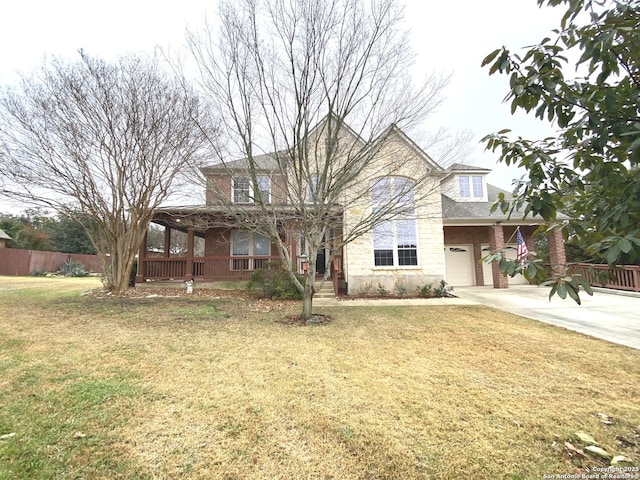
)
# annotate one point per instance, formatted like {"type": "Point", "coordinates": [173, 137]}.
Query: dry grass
{"type": "Point", "coordinates": [204, 387]}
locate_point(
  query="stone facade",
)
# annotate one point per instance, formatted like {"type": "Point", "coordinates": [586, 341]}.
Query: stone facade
{"type": "Point", "coordinates": [398, 157]}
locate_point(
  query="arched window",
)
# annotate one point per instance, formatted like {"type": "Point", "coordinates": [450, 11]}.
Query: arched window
{"type": "Point", "coordinates": [395, 236]}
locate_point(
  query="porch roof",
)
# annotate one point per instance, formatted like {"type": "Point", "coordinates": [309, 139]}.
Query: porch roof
{"type": "Point", "coordinates": [202, 217]}
{"type": "Point", "coordinates": [459, 213]}
{"type": "Point", "coordinates": [479, 213]}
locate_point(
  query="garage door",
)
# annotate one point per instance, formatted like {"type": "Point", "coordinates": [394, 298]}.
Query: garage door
{"type": "Point", "coordinates": [459, 265]}
{"type": "Point", "coordinates": [511, 254]}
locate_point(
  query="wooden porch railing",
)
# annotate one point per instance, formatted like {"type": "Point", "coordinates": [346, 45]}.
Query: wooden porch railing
{"type": "Point", "coordinates": [336, 268]}
{"type": "Point", "coordinates": [623, 277]}
{"type": "Point", "coordinates": [208, 268]}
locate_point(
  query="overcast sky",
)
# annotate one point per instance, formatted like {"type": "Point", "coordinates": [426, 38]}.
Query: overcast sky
{"type": "Point", "coordinates": [448, 36]}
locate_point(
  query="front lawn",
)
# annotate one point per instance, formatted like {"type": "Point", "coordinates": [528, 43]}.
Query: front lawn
{"type": "Point", "coordinates": [208, 387]}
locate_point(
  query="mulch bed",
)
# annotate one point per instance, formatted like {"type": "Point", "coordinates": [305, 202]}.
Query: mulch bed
{"type": "Point", "coordinates": [172, 292]}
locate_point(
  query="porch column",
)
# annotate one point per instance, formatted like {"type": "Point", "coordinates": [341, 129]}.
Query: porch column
{"type": "Point", "coordinates": [477, 263]}
{"type": "Point", "coordinates": [189, 267]}
{"type": "Point", "coordinates": [557, 255]}
{"type": "Point", "coordinates": [142, 256]}
{"type": "Point", "coordinates": [293, 251]}
{"type": "Point", "coordinates": [167, 242]}
{"type": "Point", "coordinates": [496, 242]}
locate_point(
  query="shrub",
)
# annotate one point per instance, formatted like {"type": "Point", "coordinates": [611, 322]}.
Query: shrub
{"type": "Point", "coordinates": [273, 282]}
{"type": "Point", "coordinates": [73, 268]}
{"type": "Point", "coordinates": [382, 291]}
{"type": "Point", "coordinates": [443, 290]}
{"type": "Point", "coordinates": [425, 291]}
{"type": "Point", "coordinates": [39, 272]}
{"type": "Point", "coordinates": [365, 289]}
{"type": "Point", "coordinates": [400, 288]}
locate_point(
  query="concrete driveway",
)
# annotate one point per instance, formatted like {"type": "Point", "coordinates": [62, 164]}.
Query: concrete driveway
{"type": "Point", "coordinates": [611, 317]}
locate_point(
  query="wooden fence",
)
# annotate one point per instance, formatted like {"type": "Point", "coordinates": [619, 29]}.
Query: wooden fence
{"type": "Point", "coordinates": [623, 277]}
{"type": "Point", "coordinates": [16, 262]}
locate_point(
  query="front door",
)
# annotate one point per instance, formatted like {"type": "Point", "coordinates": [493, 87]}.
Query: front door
{"type": "Point", "coordinates": [321, 261]}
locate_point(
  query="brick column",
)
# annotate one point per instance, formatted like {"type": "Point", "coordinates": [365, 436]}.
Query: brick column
{"type": "Point", "coordinates": [557, 255]}
{"type": "Point", "coordinates": [477, 262]}
{"type": "Point", "coordinates": [496, 242]}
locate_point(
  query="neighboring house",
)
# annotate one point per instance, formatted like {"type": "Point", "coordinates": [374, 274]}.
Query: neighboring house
{"type": "Point", "coordinates": [3, 238]}
{"type": "Point", "coordinates": [444, 236]}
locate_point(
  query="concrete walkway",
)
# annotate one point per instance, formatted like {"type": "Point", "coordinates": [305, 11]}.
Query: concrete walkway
{"type": "Point", "coordinates": [610, 316]}
{"type": "Point", "coordinates": [391, 302]}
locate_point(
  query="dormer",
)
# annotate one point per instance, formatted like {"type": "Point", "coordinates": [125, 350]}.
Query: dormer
{"type": "Point", "coordinates": [466, 183]}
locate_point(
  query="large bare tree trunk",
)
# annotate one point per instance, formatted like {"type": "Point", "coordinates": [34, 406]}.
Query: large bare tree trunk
{"type": "Point", "coordinates": [311, 92]}
{"type": "Point", "coordinates": [307, 296]}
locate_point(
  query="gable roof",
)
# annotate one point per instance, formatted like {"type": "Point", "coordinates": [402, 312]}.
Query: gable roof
{"type": "Point", "coordinates": [480, 212]}
{"type": "Point", "coordinates": [318, 128]}
{"type": "Point", "coordinates": [461, 167]}
{"type": "Point", "coordinates": [268, 162]}
{"type": "Point", "coordinates": [394, 129]}
{"type": "Point", "coordinates": [4, 236]}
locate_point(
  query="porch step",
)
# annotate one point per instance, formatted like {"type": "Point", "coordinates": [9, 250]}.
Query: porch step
{"type": "Point", "coordinates": [326, 291]}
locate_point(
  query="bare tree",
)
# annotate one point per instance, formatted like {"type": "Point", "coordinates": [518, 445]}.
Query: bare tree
{"type": "Point", "coordinates": [315, 95]}
{"type": "Point", "coordinates": [108, 140]}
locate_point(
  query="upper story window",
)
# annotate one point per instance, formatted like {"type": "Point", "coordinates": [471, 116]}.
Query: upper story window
{"type": "Point", "coordinates": [395, 241]}
{"type": "Point", "coordinates": [243, 191]}
{"type": "Point", "coordinates": [264, 184]}
{"type": "Point", "coordinates": [471, 186]}
{"type": "Point", "coordinates": [394, 193]}
{"type": "Point", "coordinates": [312, 190]}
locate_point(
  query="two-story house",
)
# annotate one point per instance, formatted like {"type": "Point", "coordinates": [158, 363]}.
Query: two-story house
{"type": "Point", "coordinates": [444, 232]}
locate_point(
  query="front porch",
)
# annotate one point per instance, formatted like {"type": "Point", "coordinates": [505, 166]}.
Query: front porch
{"type": "Point", "coordinates": [201, 268]}
{"type": "Point", "coordinates": [226, 253]}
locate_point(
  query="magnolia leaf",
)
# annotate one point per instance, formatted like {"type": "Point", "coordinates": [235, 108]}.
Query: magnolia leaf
{"type": "Point", "coordinates": [598, 451]}
{"type": "Point", "coordinates": [585, 285]}
{"type": "Point", "coordinates": [489, 58]}
{"type": "Point", "coordinates": [584, 437]}
{"type": "Point", "coordinates": [562, 291]}
{"type": "Point", "coordinates": [573, 293]}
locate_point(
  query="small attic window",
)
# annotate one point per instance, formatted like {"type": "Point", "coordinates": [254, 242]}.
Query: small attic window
{"type": "Point", "coordinates": [471, 186]}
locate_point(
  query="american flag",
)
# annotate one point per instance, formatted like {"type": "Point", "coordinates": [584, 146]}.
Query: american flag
{"type": "Point", "coordinates": [521, 250]}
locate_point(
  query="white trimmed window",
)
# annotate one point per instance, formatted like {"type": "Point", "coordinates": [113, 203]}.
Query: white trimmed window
{"type": "Point", "coordinates": [250, 244]}
{"type": "Point", "coordinates": [476, 182]}
{"type": "Point", "coordinates": [264, 185]}
{"type": "Point", "coordinates": [471, 186]}
{"type": "Point", "coordinates": [243, 189]}
{"type": "Point", "coordinates": [395, 241]}
{"type": "Point", "coordinates": [312, 189]}
{"type": "Point", "coordinates": [247, 244]}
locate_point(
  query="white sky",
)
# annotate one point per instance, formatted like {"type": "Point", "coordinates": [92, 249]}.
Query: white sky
{"type": "Point", "coordinates": [448, 36]}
